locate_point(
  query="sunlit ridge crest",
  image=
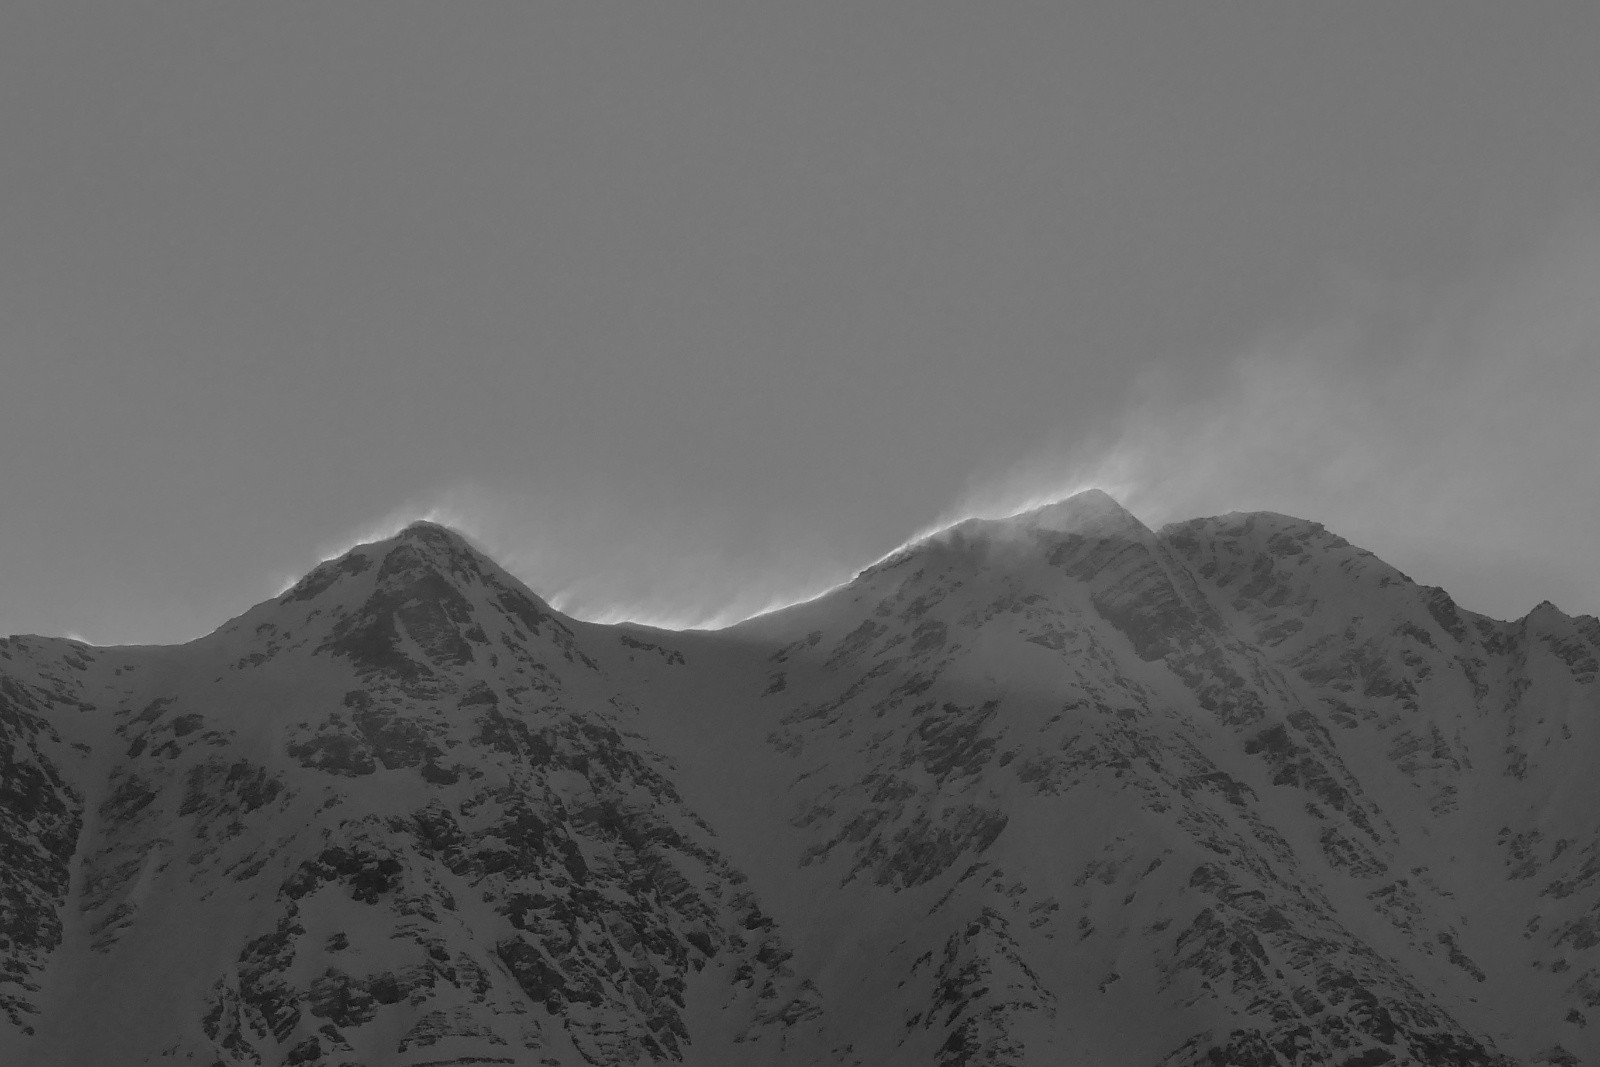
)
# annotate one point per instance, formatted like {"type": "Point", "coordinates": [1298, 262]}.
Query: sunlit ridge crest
{"type": "Point", "coordinates": [455, 512]}
{"type": "Point", "coordinates": [1011, 508]}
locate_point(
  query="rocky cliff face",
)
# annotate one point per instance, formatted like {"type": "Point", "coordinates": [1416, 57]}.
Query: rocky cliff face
{"type": "Point", "coordinates": [1051, 789]}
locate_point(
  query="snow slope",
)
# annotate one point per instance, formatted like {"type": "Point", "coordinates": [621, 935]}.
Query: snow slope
{"type": "Point", "coordinates": [1050, 789]}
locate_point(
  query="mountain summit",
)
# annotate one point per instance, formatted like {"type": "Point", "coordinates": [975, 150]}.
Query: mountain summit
{"type": "Point", "coordinates": [1090, 511]}
{"type": "Point", "coordinates": [1053, 788]}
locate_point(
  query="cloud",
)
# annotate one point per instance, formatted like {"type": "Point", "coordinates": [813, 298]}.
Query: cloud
{"type": "Point", "coordinates": [1456, 433]}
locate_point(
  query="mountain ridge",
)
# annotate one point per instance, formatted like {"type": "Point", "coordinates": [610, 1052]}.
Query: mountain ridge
{"type": "Point", "coordinates": [1034, 790]}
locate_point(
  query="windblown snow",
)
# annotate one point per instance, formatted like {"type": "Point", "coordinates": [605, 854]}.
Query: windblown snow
{"type": "Point", "coordinates": [1053, 789]}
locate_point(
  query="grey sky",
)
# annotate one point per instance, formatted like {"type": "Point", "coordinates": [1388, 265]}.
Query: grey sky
{"type": "Point", "coordinates": [683, 307]}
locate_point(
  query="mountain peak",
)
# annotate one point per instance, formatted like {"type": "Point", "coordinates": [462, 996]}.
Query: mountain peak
{"type": "Point", "coordinates": [425, 533]}
{"type": "Point", "coordinates": [418, 543]}
{"type": "Point", "coordinates": [1090, 511]}
{"type": "Point", "coordinates": [414, 606]}
{"type": "Point", "coordinates": [428, 530]}
{"type": "Point", "coordinates": [428, 545]}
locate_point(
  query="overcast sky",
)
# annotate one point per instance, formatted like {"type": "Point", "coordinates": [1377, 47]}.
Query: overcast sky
{"type": "Point", "coordinates": [681, 309]}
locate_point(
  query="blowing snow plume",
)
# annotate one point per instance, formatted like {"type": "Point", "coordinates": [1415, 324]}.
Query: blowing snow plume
{"type": "Point", "coordinates": [1452, 432]}
{"type": "Point", "coordinates": [604, 558]}
{"type": "Point", "coordinates": [1449, 430]}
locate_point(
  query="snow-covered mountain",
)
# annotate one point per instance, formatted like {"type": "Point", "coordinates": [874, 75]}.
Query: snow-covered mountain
{"type": "Point", "coordinates": [1053, 789]}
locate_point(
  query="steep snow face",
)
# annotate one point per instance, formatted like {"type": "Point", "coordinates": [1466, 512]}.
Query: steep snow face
{"type": "Point", "coordinates": [1045, 733]}
{"type": "Point", "coordinates": [1273, 783]}
{"type": "Point", "coordinates": [386, 818]}
{"type": "Point", "coordinates": [1475, 737]}
{"type": "Point", "coordinates": [1048, 789]}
